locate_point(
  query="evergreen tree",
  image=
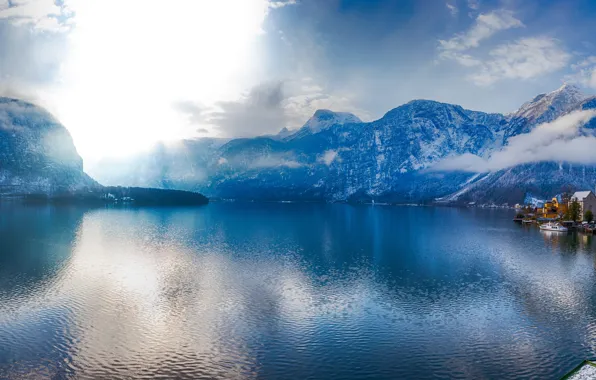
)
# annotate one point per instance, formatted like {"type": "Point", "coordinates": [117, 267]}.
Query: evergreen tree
{"type": "Point", "coordinates": [589, 216]}
{"type": "Point", "coordinates": [574, 211]}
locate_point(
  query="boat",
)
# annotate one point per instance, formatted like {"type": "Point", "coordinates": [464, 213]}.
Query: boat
{"type": "Point", "coordinates": [527, 221]}
{"type": "Point", "coordinates": [553, 227]}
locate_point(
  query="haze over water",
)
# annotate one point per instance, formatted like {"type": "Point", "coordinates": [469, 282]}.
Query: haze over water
{"type": "Point", "coordinates": [288, 291]}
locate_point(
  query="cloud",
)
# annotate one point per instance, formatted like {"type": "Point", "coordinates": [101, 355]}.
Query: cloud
{"type": "Point", "coordinates": [562, 140]}
{"type": "Point", "coordinates": [329, 156]}
{"type": "Point", "coordinates": [523, 59]}
{"type": "Point", "coordinates": [267, 108]}
{"type": "Point", "coordinates": [278, 160]}
{"type": "Point", "coordinates": [195, 112]}
{"type": "Point", "coordinates": [281, 4]}
{"type": "Point", "coordinates": [257, 112]}
{"type": "Point", "coordinates": [452, 8]}
{"type": "Point", "coordinates": [45, 15]}
{"type": "Point", "coordinates": [29, 61]}
{"type": "Point", "coordinates": [306, 96]}
{"type": "Point", "coordinates": [485, 26]}
{"type": "Point", "coordinates": [584, 72]}
{"type": "Point", "coordinates": [463, 59]}
{"type": "Point", "coordinates": [274, 162]}
{"type": "Point", "coordinates": [474, 4]}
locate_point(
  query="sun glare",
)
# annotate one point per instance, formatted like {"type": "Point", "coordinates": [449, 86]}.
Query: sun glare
{"type": "Point", "coordinates": [131, 61]}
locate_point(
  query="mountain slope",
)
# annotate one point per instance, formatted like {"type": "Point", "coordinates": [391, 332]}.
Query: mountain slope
{"type": "Point", "coordinates": [335, 156]}
{"type": "Point", "coordinates": [544, 108]}
{"type": "Point", "coordinates": [540, 178]}
{"type": "Point", "coordinates": [37, 154]}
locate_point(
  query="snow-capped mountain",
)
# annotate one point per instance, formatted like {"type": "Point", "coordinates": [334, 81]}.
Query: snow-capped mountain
{"type": "Point", "coordinates": [543, 178]}
{"type": "Point", "coordinates": [335, 156]}
{"type": "Point", "coordinates": [324, 119]}
{"type": "Point", "coordinates": [37, 154]}
{"type": "Point", "coordinates": [544, 108]}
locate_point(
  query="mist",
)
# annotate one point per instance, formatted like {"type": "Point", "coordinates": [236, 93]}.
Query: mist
{"type": "Point", "coordinates": [562, 140]}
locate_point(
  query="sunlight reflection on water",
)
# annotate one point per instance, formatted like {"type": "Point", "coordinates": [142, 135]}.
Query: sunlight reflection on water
{"type": "Point", "coordinates": [290, 291]}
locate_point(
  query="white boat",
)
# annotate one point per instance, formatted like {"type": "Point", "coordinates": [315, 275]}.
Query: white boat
{"type": "Point", "coordinates": [553, 227]}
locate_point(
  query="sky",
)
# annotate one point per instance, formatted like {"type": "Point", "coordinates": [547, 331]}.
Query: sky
{"type": "Point", "coordinates": [123, 74]}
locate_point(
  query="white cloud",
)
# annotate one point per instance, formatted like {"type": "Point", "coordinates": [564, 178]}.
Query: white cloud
{"type": "Point", "coordinates": [195, 112]}
{"type": "Point", "coordinates": [29, 61]}
{"type": "Point", "coordinates": [329, 156]}
{"type": "Point", "coordinates": [306, 96]}
{"type": "Point", "coordinates": [473, 4]}
{"type": "Point", "coordinates": [462, 58]}
{"type": "Point", "coordinates": [523, 59]}
{"type": "Point", "coordinates": [258, 112]}
{"type": "Point", "coordinates": [588, 61]}
{"type": "Point", "coordinates": [562, 140]}
{"type": "Point", "coordinates": [265, 109]}
{"type": "Point", "coordinates": [485, 26]}
{"type": "Point", "coordinates": [280, 4]}
{"type": "Point", "coordinates": [44, 15]}
{"type": "Point", "coordinates": [274, 162]}
{"type": "Point", "coordinates": [452, 8]}
{"type": "Point", "coordinates": [584, 72]}
{"type": "Point", "coordinates": [51, 15]}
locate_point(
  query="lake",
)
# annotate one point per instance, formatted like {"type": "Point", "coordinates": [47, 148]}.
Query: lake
{"type": "Point", "coordinates": [290, 291]}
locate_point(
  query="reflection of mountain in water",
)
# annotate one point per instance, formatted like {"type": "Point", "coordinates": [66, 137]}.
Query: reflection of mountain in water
{"type": "Point", "coordinates": [37, 244]}
{"type": "Point", "coordinates": [296, 291]}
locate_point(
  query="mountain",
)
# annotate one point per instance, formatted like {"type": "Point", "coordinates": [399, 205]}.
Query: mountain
{"type": "Point", "coordinates": [541, 178]}
{"type": "Point", "coordinates": [37, 154]}
{"type": "Point", "coordinates": [337, 157]}
{"type": "Point", "coordinates": [324, 119]}
{"type": "Point", "coordinates": [334, 156]}
{"type": "Point", "coordinates": [544, 108]}
{"type": "Point", "coordinates": [39, 163]}
{"type": "Point", "coordinates": [171, 165]}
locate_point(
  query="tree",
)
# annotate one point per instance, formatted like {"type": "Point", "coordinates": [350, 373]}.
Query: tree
{"type": "Point", "coordinates": [589, 216]}
{"type": "Point", "coordinates": [573, 212]}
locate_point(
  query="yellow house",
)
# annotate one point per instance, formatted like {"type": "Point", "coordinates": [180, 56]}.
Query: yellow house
{"type": "Point", "coordinates": [553, 209]}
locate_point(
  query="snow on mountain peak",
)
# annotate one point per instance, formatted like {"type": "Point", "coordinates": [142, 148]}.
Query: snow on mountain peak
{"type": "Point", "coordinates": [560, 101]}
{"type": "Point", "coordinates": [323, 119]}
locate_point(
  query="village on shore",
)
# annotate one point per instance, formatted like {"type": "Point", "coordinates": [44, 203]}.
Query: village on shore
{"type": "Point", "coordinates": [563, 212]}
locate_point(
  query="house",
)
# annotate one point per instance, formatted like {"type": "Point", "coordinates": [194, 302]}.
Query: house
{"type": "Point", "coordinates": [586, 200]}
{"type": "Point", "coordinates": [553, 209]}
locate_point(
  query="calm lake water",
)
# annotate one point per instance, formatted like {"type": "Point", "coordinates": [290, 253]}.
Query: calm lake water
{"type": "Point", "coordinates": [291, 291]}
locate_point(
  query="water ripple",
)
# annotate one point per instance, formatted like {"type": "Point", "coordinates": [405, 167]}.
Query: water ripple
{"type": "Point", "coordinates": [310, 292]}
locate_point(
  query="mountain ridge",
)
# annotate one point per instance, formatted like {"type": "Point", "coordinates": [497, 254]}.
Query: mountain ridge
{"type": "Point", "coordinates": [337, 157]}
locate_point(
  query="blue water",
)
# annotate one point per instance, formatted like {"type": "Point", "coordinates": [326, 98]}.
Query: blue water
{"type": "Point", "coordinates": [290, 291]}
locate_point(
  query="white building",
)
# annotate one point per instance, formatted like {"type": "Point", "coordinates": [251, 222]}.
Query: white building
{"type": "Point", "coordinates": [586, 200]}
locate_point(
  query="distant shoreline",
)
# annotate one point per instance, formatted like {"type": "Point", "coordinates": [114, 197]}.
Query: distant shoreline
{"type": "Point", "coordinates": [113, 195]}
